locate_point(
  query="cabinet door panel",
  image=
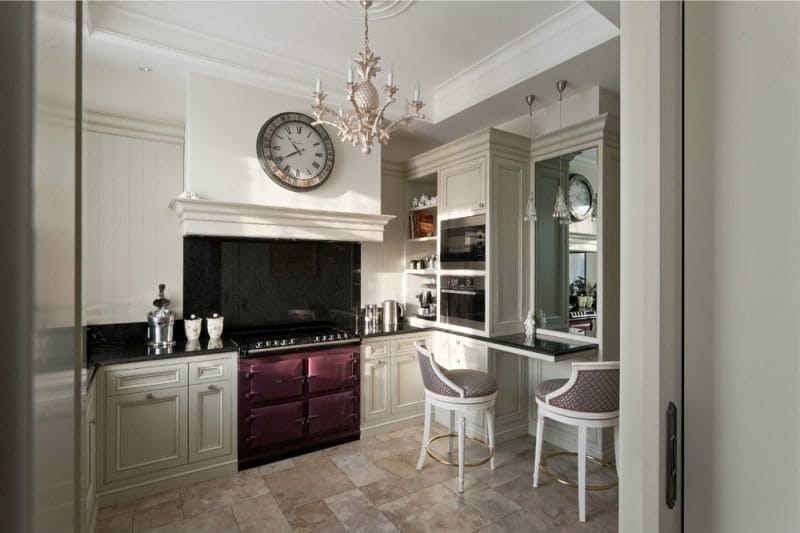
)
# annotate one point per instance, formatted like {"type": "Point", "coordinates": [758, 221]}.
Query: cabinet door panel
{"type": "Point", "coordinates": [209, 420]}
{"type": "Point", "coordinates": [332, 413]}
{"type": "Point", "coordinates": [408, 393]}
{"type": "Point", "coordinates": [145, 432]}
{"type": "Point", "coordinates": [462, 188]}
{"type": "Point", "coordinates": [375, 350]}
{"type": "Point", "coordinates": [375, 389]}
{"type": "Point", "coordinates": [208, 371]}
{"type": "Point", "coordinates": [274, 425]}
{"type": "Point", "coordinates": [130, 380]}
{"type": "Point", "coordinates": [332, 371]}
{"type": "Point", "coordinates": [266, 380]}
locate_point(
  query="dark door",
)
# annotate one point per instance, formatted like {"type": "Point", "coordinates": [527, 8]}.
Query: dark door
{"type": "Point", "coordinates": [269, 380]}
{"type": "Point", "coordinates": [332, 370]}
{"type": "Point", "coordinates": [275, 424]}
{"type": "Point", "coordinates": [332, 413]}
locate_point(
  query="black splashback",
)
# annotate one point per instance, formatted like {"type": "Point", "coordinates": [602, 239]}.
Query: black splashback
{"type": "Point", "coordinates": [257, 282]}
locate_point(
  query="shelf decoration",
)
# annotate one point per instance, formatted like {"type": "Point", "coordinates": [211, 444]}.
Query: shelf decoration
{"type": "Point", "coordinates": [422, 224]}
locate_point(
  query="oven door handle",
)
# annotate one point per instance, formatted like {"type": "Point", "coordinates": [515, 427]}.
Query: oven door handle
{"type": "Point", "coordinates": [458, 291]}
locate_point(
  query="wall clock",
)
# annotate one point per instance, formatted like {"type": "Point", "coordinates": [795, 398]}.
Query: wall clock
{"type": "Point", "coordinates": [294, 153]}
{"type": "Point", "coordinates": [580, 197]}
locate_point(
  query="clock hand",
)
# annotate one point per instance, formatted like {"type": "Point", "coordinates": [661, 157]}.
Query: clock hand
{"type": "Point", "coordinates": [295, 152]}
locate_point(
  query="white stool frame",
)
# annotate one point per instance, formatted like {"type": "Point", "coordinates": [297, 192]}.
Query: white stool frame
{"type": "Point", "coordinates": [582, 420]}
{"type": "Point", "coordinates": [459, 407]}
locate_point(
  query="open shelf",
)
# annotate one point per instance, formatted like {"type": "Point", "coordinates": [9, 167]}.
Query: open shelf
{"type": "Point", "coordinates": [422, 208]}
{"type": "Point", "coordinates": [423, 239]}
{"type": "Point", "coordinates": [421, 271]}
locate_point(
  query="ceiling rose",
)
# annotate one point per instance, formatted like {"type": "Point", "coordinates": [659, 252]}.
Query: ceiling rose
{"type": "Point", "coordinates": [380, 9]}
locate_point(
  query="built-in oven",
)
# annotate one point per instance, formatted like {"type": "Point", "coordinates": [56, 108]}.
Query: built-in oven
{"type": "Point", "coordinates": [463, 243]}
{"type": "Point", "coordinates": [462, 301]}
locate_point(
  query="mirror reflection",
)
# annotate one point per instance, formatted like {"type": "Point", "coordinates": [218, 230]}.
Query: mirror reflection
{"type": "Point", "coordinates": [566, 254]}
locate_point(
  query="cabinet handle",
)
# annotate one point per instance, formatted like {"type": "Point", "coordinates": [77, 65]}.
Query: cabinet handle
{"type": "Point", "coordinates": [480, 204]}
{"type": "Point", "coordinates": [458, 341]}
{"type": "Point", "coordinates": [458, 361]}
{"type": "Point", "coordinates": [93, 421]}
{"type": "Point", "coordinates": [213, 388]}
{"type": "Point", "coordinates": [149, 396]}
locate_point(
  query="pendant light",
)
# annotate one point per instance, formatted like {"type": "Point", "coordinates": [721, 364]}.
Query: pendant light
{"type": "Point", "coordinates": [530, 208]}
{"type": "Point", "coordinates": [560, 211]}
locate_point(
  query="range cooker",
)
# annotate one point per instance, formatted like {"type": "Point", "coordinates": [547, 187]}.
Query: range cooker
{"type": "Point", "coordinates": [298, 390]}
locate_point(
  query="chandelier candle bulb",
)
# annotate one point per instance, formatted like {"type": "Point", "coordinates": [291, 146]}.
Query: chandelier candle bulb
{"type": "Point", "coordinates": [416, 91]}
{"type": "Point", "coordinates": [390, 75]}
{"type": "Point", "coordinates": [349, 73]}
{"type": "Point", "coordinates": [319, 84]}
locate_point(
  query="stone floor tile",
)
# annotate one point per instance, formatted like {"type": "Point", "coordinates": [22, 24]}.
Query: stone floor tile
{"type": "Point", "coordinates": [386, 490]}
{"type": "Point", "coordinates": [277, 466]}
{"type": "Point", "coordinates": [520, 522]}
{"type": "Point", "coordinates": [405, 466]}
{"type": "Point", "coordinates": [357, 513]}
{"type": "Point", "coordinates": [157, 499]}
{"type": "Point", "coordinates": [307, 483]}
{"type": "Point", "coordinates": [358, 469]}
{"type": "Point", "coordinates": [157, 515]}
{"type": "Point", "coordinates": [115, 509]}
{"type": "Point", "coordinates": [222, 492]}
{"type": "Point", "coordinates": [551, 503]}
{"type": "Point", "coordinates": [117, 523]}
{"type": "Point", "coordinates": [433, 509]}
{"type": "Point", "coordinates": [260, 515]}
{"type": "Point", "coordinates": [386, 448]}
{"type": "Point", "coordinates": [313, 517]}
{"type": "Point", "coordinates": [216, 521]}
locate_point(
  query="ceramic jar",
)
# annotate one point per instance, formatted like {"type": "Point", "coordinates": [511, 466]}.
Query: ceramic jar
{"type": "Point", "coordinates": [192, 327]}
{"type": "Point", "coordinates": [214, 326]}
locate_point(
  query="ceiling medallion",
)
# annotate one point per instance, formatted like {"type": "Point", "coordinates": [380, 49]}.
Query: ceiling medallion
{"type": "Point", "coordinates": [365, 121]}
{"type": "Point", "coordinates": [381, 9]}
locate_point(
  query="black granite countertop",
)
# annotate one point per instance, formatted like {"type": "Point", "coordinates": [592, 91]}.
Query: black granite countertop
{"type": "Point", "coordinates": [112, 344]}
{"type": "Point", "coordinates": [539, 345]}
{"type": "Point", "coordinates": [381, 331]}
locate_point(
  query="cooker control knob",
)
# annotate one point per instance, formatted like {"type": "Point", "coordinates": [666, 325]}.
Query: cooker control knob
{"type": "Point", "coordinates": [283, 342]}
{"type": "Point", "coordinates": [292, 340]}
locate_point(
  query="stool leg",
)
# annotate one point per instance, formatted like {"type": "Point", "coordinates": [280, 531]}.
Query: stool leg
{"type": "Point", "coordinates": [426, 435]}
{"type": "Point", "coordinates": [490, 431]}
{"type": "Point", "coordinates": [462, 429]}
{"type": "Point", "coordinates": [582, 473]}
{"type": "Point", "coordinates": [616, 448]}
{"type": "Point", "coordinates": [452, 427]}
{"type": "Point", "coordinates": [538, 453]}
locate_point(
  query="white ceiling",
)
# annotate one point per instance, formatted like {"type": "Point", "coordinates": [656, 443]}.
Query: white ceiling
{"type": "Point", "coordinates": [475, 59]}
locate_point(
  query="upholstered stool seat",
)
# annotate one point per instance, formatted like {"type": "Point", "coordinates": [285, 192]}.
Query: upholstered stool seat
{"type": "Point", "coordinates": [588, 399]}
{"type": "Point", "coordinates": [463, 392]}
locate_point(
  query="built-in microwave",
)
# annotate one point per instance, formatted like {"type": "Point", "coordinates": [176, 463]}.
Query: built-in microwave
{"type": "Point", "coordinates": [462, 302]}
{"type": "Point", "coordinates": [463, 243]}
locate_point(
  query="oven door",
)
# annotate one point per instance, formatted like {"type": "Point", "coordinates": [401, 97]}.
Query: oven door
{"type": "Point", "coordinates": [463, 307]}
{"type": "Point", "coordinates": [463, 243]}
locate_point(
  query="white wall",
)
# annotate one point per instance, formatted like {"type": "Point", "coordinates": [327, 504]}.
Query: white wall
{"type": "Point", "coordinates": [132, 240]}
{"type": "Point", "coordinates": [742, 351]}
{"type": "Point", "coordinates": [222, 122]}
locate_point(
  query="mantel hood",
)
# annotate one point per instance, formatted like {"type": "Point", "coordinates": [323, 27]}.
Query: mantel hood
{"type": "Point", "coordinates": [209, 217]}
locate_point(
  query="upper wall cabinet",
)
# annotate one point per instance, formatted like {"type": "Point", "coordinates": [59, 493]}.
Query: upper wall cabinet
{"type": "Point", "coordinates": [576, 264]}
{"type": "Point", "coordinates": [462, 188]}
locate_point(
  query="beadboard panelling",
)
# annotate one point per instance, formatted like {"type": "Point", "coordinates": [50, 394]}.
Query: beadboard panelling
{"type": "Point", "coordinates": [132, 240]}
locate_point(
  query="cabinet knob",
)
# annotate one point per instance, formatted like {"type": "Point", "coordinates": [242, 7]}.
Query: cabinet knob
{"type": "Point", "coordinates": [93, 421]}
{"type": "Point", "coordinates": [149, 396]}
{"type": "Point", "coordinates": [213, 388]}
{"type": "Point", "coordinates": [481, 204]}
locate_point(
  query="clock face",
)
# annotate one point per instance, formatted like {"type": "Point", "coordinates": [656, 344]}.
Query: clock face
{"type": "Point", "coordinates": [581, 197]}
{"type": "Point", "coordinates": [294, 153]}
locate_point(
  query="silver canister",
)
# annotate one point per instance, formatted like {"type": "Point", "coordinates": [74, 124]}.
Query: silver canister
{"type": "Point", "coordinates": [160, 322]}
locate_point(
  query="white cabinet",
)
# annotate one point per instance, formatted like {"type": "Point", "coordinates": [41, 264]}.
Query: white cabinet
{"type": "Point", "coordinates": [145, 432]}
{"type": "Point", "coordinates": [161, 420]}
{"type": "Point", "coordinates": [210, 432]}
{"type": "Point", "coordinates": [462, 188]}
{"type": "Point", "coordinates": [391, 382]}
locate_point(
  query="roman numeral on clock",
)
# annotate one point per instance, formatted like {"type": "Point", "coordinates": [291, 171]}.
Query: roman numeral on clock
{"type": "Point", "coordinates": [315, 165]}
{"type": "Point", "coordinates": [299, 129]}
{"type": "Point", "coordinates": [317, 154]}
{"type": "Point", "coordinates": [316, 143]}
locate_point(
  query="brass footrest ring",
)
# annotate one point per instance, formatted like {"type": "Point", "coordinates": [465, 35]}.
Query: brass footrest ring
{"type": "Point", "coordinates": [604, 464]}
{"type": "Point", "coordinates": [438, 458]}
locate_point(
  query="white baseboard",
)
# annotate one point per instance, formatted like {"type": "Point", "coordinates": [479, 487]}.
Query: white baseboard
{"type": "Point", "coordinates": [389, 426]}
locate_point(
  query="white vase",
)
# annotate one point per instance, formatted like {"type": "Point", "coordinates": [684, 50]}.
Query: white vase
{"type": "Point", "coordinates": [214, 326]}
{"type": "Point", "coordinates": [192, 327]}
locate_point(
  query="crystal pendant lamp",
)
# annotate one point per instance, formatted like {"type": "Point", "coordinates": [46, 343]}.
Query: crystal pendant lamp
{"type": "Point", "coordinates": [365, 122]}
{"type": "Point", "coordinates": [530, 208]}
{"type": "Point", "coordinates": [560, 210]}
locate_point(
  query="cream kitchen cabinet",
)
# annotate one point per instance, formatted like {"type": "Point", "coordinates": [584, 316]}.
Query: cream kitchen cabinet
{"type": "Point", "coordinates": [165, 423]}
{"type": "Point", "coordinates": [462, 188]}
{"type": "Point", "coordinates": [391, 384]}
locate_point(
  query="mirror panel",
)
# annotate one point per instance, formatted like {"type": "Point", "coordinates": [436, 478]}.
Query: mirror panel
{"type": "Point", "coordinates": [566, 254]}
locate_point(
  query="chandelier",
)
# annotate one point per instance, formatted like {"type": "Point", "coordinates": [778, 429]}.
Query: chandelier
{"type": "Point", "coordinates": [560, 210]}
{"type": "Point", "coordinates": [365, 122]}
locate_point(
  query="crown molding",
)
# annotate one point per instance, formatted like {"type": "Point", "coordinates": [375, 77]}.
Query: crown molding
{"type": "Point", "coordinates": [569, 33]}
{"type": "Point", "coordinates": [228, 219]}
{"type": "Point", "coordinates": [499, 142]}
{"type": "Point", "coordinates": [127, 126]}
{"type": "Point", "coordinates": [392, 169]}
{"type": "Point", "coordinates": [605, 127]}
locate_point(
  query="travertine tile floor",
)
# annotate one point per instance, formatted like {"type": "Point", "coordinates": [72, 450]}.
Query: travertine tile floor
{"type": "Point", "coordinates": [372, 486]}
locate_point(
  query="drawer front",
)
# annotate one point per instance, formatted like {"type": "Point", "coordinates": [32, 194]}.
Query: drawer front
{"type": "Point", "coordinates": [270, 426]}
{"type": "Point", "coordinates": [375, 350]}
{"type": "Point", "coordinates": [145, 378]}
{"type": "Point", "coordinates": [266, 381]}
{"type": "Point", "coordinates": [206, 371]}
{"type": "Point", "coordinates": [406, 346]}
{"type": "Point", "coordinates": [333, 413]}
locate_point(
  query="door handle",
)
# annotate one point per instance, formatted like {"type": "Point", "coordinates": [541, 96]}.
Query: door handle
{"type": "Point", "coordinates": [672, 455]}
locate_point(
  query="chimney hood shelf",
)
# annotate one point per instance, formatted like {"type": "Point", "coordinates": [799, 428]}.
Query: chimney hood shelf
{"type": "Point", "coordinates": [228, 219]}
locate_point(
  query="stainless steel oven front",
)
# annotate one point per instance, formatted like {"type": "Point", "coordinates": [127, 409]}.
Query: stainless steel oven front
{"type": "Point", "coordinates": [463, 243]}
{"type": "Point", "coordinates": [462, 301]}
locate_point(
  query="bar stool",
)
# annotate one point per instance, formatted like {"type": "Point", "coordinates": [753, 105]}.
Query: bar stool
{"type": "Point", "coordinates": [463, 392]}
{"type": "Point", "coordinates": [588, 399]}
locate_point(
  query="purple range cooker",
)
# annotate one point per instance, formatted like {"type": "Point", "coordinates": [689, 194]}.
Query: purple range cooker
{"type": "Point", "coordinates": [298, 390]}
